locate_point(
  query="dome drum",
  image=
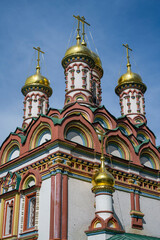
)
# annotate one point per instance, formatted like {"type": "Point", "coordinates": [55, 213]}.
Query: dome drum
{"type": "Point", "coordinates": [77, 57]}
{"type": "Point", "coordinates": [36, 87]}
{"type": "Point", "coordinates": [141, 86]}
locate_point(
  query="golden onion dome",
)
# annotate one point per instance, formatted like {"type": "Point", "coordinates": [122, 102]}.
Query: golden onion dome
{"type": "Point", "coordinates": [103, 179]}
{"type": "Point", "coordinates": [37, 82]}
{"type": "Point", "coordinates": [129, 77]}
{"type": "Point", "coordinates": [78, 49]}
{"type": "Point", "coordinates": [96, 59]}
{"type": "Point", "coordinates": [77, 52]}
{"type": "Point", "coordinates": [37, 79]}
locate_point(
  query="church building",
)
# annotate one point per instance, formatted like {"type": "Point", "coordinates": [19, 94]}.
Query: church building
{"type": "Point", "coordinates": [79, 172]}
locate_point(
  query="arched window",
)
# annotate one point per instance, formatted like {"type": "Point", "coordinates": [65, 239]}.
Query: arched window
{"type": "Point", "coordinates": [41, 135]}
{"type": "Point", "coordinates": [78, 133]}
{"type": "Point", "coordinates": [117, 147]}
{"type": "Point", "coordinates": [31, 212]}
{"type": "Point", "coordinates": [29, 183]}
{"type": "Point", "coordinates": [103, 120]}
{"type": "Point", "coordinates": [9, 204]}
{"type": "Point", "coordinates": [13, 153]}
{"type": "Point", "coordinates": [30, 190]}
{"type": "Point", "coordinates": [30, 203]}
{"type": "Point", "coordinates": [44, 136]}
{"type": "Point", "coordinates": [76, 136]}
{"type": "Point", "coordinates": [115, 150]}
{"type": "Point", "coordinates": [142, 137]}
{"type": "Point", "coordinates": [147, 160]}
{"type": "Point", "coordinates": [79, 99]}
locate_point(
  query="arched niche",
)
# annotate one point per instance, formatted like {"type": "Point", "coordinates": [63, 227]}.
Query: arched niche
{"type": "Point", "coordinates": [149, 159]}
{"type": "Point", "coordinates": [41, 135]}
{"type": "Point", "coordinates": [78, 133]}
{"type": "Point", "coordinates": [117, 147]}
{"type": "Point", "coordinates": [103, 120]}
{"type": "Point", "coordinates": [11, 152]}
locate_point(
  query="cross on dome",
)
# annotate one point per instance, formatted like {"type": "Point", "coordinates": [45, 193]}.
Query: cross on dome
{"type": "Point", "coordinates": [82, 20]}
{"type": "Point", "coordinates": [128, 62]}
{"type": "Point", "coordinates": [38, 59]}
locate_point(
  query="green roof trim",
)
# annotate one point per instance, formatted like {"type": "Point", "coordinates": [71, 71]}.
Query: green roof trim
{"type": "Point", "coordinates": [60, 110]}
{"type": "Point", "coordinates": [93, 109]}
{"type": "Point", "coordinates": [22, 137]}
{"type": "Point", "coordinates": [138, 147]}
{"type": "Point", "coordinates": [54, 120]}
{"type": "Point", "coordinates": [57, 120]}
{"type": "Point", "coordinates": [130, 236]}
{"type": "Point", "coordinates": [21, 129]}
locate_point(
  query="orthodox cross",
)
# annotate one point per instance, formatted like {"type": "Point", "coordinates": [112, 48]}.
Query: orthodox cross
{"type": "Point", "coordinates": [82, 20]}
{"type": "Point", "coordinates": [127, 47]}
{"type": "Point", "coordinates": [78, 29]}
{"type": "Point", "coordinates": [38, 59]}
{"type": "Point", "coordinates": [83, 32]}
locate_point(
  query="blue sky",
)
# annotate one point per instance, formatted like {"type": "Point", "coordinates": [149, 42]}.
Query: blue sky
{"type": "Point", "coordinates": [48, 24]}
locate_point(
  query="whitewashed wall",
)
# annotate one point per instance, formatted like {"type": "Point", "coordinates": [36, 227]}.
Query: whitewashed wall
{"type": "Point", "coordinates": [44, 210]}
{"type": "Point", "coordinates": [81, 208]}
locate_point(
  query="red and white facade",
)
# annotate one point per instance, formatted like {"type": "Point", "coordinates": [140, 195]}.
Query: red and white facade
{"type": "Point", "coordinates": [47, 167]}
{"type": "Point", "coordinates": [35, 104]}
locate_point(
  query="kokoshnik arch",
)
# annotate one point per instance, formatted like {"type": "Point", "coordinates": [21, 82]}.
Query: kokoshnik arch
{"type": "Point", "coordinates": [79, 172]}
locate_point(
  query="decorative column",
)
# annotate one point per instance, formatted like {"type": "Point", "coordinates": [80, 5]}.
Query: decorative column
{"type": "Point", "coordinates": [136, 214]}
{"type": "Point", "coordinates": [64, 207]}
{"type": "Point", "coordinates": [103, 187]}
{"type": "Point", "coordinates": [59, 205]}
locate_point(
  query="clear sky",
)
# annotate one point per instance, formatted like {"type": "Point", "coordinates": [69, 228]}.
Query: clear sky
{"type": "Point", "coordinates": [48, 24]}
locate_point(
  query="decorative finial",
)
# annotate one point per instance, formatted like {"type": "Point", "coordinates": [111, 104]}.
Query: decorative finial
{"type": "Point", "coordinates": [38, 59]}
{"type": "Point", "coordinates": [102, 134]}
{"type": "Point", "coordinates": [128, 62]}
{"type": "Point", "coordinates": [78, 38]}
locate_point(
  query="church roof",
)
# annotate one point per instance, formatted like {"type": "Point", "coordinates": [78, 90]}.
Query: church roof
{"type": "Point", "coordinates": [129, 236]}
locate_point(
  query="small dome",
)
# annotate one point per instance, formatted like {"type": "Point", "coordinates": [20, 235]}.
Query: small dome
{"type": "Point", "coordinates": [103, 178]}
{"type": "Point", "coordinates": [129, 77]}
{"type": "Point", "coordinates": [78, 50]}
{"type": "Point", "coordinates": [37, 79]}
{"type": "Point", "coordinates": [96, 59]}
{"type": "Point", "coordinates": [37, 82]}
{"type": "Point", "coordinates": [132, 79]}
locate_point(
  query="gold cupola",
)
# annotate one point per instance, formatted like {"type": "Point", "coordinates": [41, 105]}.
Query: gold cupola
{"type": "Point", "coordinates": [129, 79]}
{"type": "Point", "coordinates": [78, 52]}
{"type": "Point", "coordinates": [37, 82]}
{"type": "Point", "coordinates": [102, 179]}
